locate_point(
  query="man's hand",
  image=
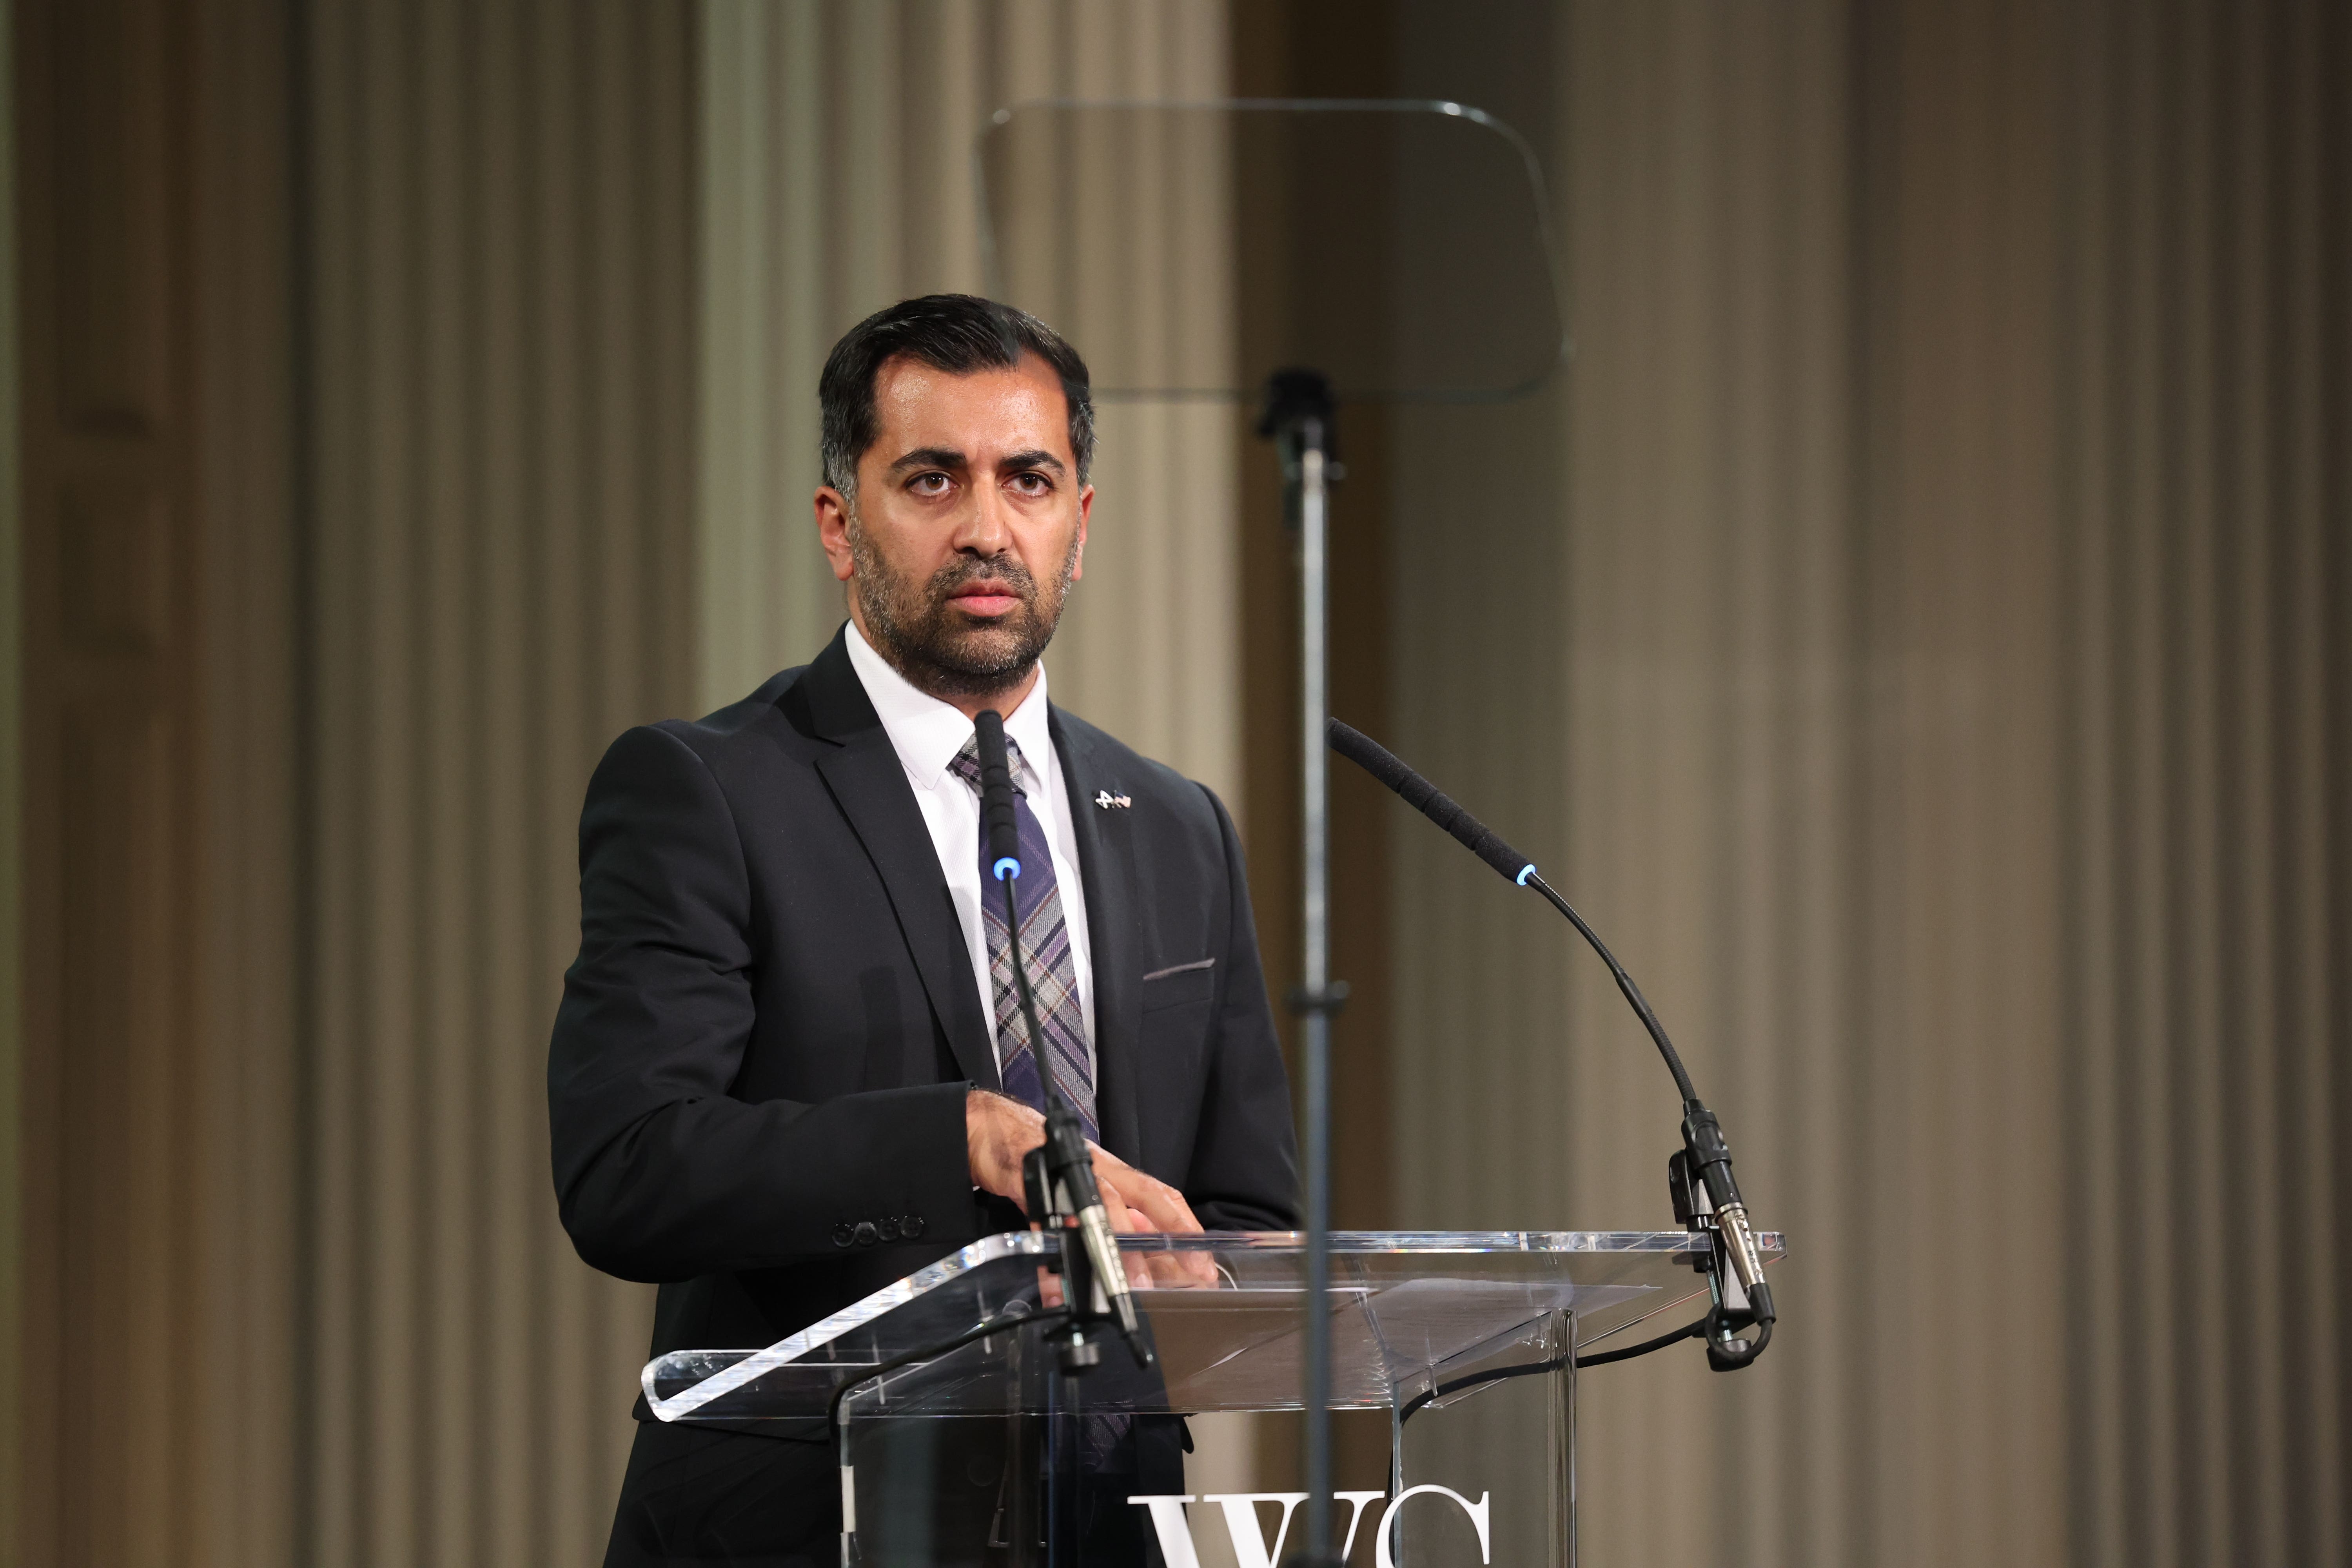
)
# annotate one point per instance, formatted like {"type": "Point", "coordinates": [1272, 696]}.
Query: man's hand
{"type": "Point", "coordinates": [1154, 1205]}
{"type": "Point", "coordinates": [999, 1131]}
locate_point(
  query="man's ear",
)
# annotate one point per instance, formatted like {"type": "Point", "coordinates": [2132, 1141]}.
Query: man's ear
{"type": "Point", "coordinates": [1079, 555]}
{"type": "Point", "coordinates": [832, 531]}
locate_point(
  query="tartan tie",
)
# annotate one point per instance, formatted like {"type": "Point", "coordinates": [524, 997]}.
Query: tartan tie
{"type": "Point", "coordinates": [1054, 989]}
{"type": "Point", "coordinates": [1045, 952]}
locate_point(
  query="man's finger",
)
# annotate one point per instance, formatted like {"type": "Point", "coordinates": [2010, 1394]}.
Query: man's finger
{"type": "Point", "coordinates": [1183, 1270]}
{"type": "Point", "coordinates": [1169, 1210]}
{"type": "Point", "coordinates": [1162, 1205]}
{"type": "Point", "coordinates": [1123, 1217]}
{"type": "Point", "coordinates": [1126, 1219]}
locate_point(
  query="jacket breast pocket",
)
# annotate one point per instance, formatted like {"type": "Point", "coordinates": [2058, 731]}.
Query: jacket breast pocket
{"type": "Point", "coordinates": [1179, 985]}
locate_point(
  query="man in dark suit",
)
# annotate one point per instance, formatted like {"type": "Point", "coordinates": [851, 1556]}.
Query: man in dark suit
{"type": "Point", "coordinates": [788, 1070]}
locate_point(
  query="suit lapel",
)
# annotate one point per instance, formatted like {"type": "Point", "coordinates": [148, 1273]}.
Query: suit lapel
{"type": "Point", "coordinates": [870, 786]}
{"type": "Point", "coordinates": [1114, 934]}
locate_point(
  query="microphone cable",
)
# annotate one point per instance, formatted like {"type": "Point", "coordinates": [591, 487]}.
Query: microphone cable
{"type": "Point", "coordinates": [1694, 1329]}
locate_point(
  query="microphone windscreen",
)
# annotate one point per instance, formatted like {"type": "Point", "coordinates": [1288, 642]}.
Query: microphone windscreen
{"type": "Point", "coordinates": [996, 817]}
{"type": "Point", "coordinates": [1427, 798]}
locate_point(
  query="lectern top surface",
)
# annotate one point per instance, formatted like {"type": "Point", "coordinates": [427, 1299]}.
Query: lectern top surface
{"type": "Point", "coordinates": [1225, 1312]}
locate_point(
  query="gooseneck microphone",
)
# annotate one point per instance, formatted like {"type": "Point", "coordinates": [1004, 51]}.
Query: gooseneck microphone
{"type": "Point", "coordinates": [1706, 1158]}
{"type": "Point", "coordinates": [996, 818]}
{"type": "Point", "coordinates": [1429, 800]}
{"type": "Point", "coordinates": [1068, 1165]}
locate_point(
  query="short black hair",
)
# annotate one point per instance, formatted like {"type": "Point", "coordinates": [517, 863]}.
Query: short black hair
{"type": "Point", "coordinates": [959, 334]}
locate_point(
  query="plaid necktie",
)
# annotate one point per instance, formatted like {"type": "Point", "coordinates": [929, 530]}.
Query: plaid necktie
{"type": "Point", "coordinates": [1044, 951]}
{"type": "Point", "coordinates": [1054, 988]}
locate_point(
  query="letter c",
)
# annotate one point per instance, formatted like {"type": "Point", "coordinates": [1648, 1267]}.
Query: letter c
{"type": "Point", "coordinates": [1385, 1556]}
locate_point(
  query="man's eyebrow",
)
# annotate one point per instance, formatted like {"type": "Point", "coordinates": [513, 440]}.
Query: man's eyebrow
{"type": "Point", "coordinates": [929, 458]}
{"type": "Point", "coordinates": [1036, 457]}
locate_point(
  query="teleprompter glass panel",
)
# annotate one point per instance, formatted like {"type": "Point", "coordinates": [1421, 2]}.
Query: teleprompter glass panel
{"type": "Point", "coordinates": [1400, 248]}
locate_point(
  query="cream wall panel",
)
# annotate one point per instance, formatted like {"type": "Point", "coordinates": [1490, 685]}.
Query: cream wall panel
{"type": "Point", "coordinates": [496, 250]}
{"type": "Point", "coordinates": [247, 1097]}
{"type": "Point", "coordinates": [105, 1202]}
{"type": "Point", "coordinates": [157, 1120]}
{"type": "Point", "coordinates": [13, 1143]}
{"type": "Point", "coordinates": [836, 177]}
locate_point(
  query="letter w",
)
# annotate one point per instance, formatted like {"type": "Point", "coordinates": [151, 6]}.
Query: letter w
{"type": "Point", "coordinates": [1250, 1549]}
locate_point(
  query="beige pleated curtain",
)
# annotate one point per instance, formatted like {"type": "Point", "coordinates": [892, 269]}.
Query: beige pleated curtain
{"type": "Point", "coordinates": [577, 270]}
{"type": "Point", "coordinates": [1913, 632]}
{"type": "Point", "coordinates": [1912, 628]}
{"type": "Point", "coordinates": [838, 175]}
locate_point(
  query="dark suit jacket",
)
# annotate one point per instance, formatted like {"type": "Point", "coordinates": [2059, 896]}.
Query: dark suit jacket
{"type": "Point", "coordinates": [767, 1038]}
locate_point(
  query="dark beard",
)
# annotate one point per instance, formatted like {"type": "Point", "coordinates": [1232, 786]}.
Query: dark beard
{"type": "Point", "coordinates": [941, 651]}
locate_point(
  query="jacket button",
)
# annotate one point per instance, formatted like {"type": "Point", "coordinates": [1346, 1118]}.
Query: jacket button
{"type": "Point", "coordinates": [867, 1235]}
{"type": "Point", "coordinates": [890, 1229]}
{"type": "Point", "coordinates": [911, 1227]}
{"type": "Point", "coordinates": [843, 1235]}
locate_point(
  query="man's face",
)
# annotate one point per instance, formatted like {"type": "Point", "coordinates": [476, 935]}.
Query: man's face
{"type": "Point", "coordinates": [969, 526]}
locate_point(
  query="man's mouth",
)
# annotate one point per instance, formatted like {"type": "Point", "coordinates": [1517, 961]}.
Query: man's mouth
{"type": "Point", "coordinates": [985, 598]}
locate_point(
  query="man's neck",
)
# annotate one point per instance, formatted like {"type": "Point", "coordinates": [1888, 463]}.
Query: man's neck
{"type": "Point", "coordinates": [930, 683]}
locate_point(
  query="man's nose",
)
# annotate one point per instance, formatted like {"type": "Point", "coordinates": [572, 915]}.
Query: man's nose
{"type": "Point", "coordinates": [985, 527]}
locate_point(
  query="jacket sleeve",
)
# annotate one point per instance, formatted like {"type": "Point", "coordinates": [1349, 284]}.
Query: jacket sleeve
{"type": "Point", "coordinates": [1245, 1168]}
{"type": "Point", "coordinates": [659, 1174]}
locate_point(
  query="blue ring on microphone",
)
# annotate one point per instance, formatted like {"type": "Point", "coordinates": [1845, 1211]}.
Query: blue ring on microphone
{"type": "Point", "coordinates": [1000, 868]}
{"type": "Point", "coordinates": [1525, 872]}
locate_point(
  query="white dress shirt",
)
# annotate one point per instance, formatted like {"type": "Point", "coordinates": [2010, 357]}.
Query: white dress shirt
{"type": "Point", "coordinates": [926, 734]}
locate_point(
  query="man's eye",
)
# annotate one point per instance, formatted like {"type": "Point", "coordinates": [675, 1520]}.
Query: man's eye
{"type": "Point", "coordinates": [1032, 484]}
{"type": "Point", "coordinates": [928, 484]}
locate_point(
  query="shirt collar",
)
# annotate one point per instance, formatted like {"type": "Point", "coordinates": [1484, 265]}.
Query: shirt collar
{"type": "Point", "coordinates": [927, 733]}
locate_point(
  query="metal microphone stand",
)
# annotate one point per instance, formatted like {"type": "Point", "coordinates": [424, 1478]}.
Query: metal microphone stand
{"type": "Point", "coordinates": [1298, 417]}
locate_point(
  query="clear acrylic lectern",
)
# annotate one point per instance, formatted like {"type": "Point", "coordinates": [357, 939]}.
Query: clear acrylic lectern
{"type": "Point", "coordinates": [956, 1458]}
